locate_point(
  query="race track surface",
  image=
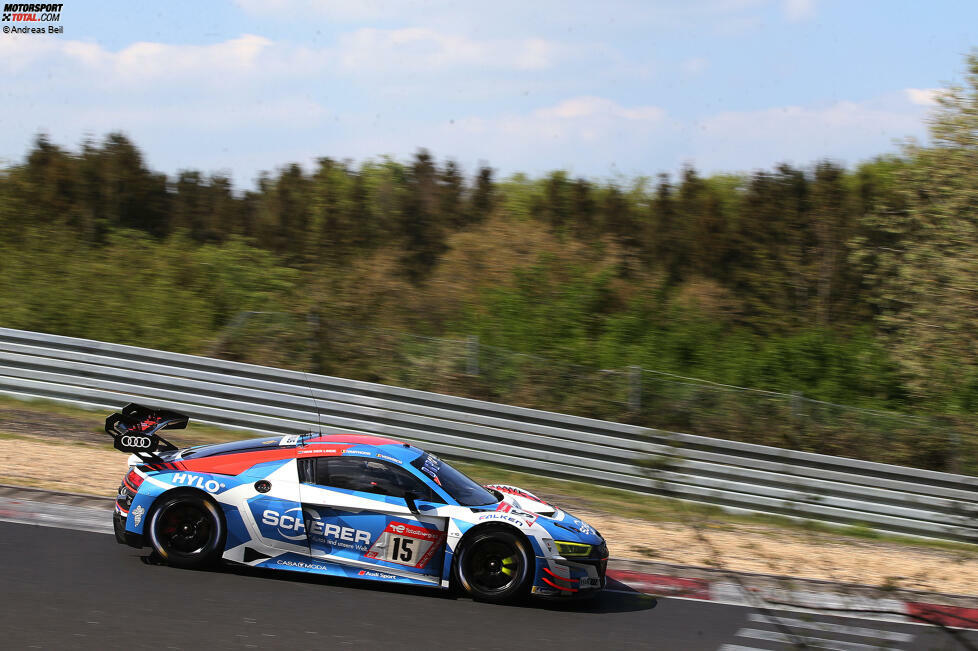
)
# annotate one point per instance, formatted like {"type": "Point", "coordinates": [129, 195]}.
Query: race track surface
{"type": "Point", "coordinates": [75, 589]}
{"type": "Point", "coordinates": [71, 589]}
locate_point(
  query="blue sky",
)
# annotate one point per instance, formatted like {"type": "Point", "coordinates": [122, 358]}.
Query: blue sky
{"type": "Point", "coordinates": [608, 89]}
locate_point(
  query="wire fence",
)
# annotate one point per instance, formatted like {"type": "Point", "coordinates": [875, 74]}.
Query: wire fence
{"type": "Point", "coordinates": [645, 397]}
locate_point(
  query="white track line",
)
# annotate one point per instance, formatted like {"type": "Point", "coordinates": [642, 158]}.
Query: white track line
{"type": "Point", "coordinates": [808, 642]}
{"type": "Point", "coordinates": [827, 627]}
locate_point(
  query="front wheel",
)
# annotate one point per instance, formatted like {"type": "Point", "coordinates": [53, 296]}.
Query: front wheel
{"type": "Point", "coordinates": [187, 531]}
{"type": "Point", "coordinates": [495, 565]}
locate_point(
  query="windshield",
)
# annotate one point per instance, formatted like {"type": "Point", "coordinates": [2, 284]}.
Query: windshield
{"type": "Point", "coordinates": [463, 489]}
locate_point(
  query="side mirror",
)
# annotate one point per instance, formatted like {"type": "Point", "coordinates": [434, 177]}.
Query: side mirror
{"type": "Point", "coordinates": [409, 499]}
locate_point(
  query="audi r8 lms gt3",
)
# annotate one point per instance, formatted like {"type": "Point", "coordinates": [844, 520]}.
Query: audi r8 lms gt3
{"type": "Point", "coordinates": [346, 505]}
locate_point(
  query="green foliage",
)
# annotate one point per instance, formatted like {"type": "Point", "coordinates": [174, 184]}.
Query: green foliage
{"type": "Point", "coordinates": [841, 286]}
{"type": "Point", "coordinates": [135, 289]}
{"type": "Point", "coordinates": [551, 309]}
{"type": "Point", "coordinates": [926, 292]}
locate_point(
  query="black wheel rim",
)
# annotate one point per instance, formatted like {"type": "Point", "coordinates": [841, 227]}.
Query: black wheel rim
{"type": "Point", "coordinates": [184, 528]}
{"type": "Point", "coordinates": [494, 566]}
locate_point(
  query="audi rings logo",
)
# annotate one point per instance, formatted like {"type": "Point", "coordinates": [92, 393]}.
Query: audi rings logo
{"type": "Point", "coordinates": [136, 442]}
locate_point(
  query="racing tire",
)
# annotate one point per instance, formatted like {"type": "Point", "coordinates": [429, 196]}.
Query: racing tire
{"type": "Point", "coordinates": [494, 565]}
{"type": "Point", "coordinates": [187, 530]}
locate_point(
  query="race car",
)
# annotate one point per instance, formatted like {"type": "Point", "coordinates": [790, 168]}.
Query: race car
{"type": "Point", "coordinates": [348, 505]}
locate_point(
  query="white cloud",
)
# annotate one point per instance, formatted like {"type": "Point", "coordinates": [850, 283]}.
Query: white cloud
{"type": "Point", "coordinates": [140, 62]}
{"type": "Point", "coordinates": [798, 10]}
{"type": "Point", "coordinates": [845, 130]}
{"type": "Point", "coordinates": [250, 60]}
{"type": "Point", "coordinates": [694, 66]}
{"type": "Point", "coordinates": [208, 114]}
{"type": "Point", "coordinates": [923, 96]}
{"type": "Point", "coordinates": [597, 107]}
{"type": "Point", "coordinates": [599, 134]}
{"type": "Point", "coordinates": [420, 50]}
{"type": "Point", "coordinates": [586, 133]}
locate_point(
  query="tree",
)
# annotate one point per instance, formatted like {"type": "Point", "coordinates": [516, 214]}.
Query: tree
{"type": "Point", "coordinates": [619, 217]}
{"type": "Point", "coordinates": [929, 298]}
{"type": "Point", "coordinates": [665, 241]}
{"type": "Point", "coordinates": [284, 215]}
{"type": "Point", "coordinates": [189, 208]}
{"type": "Point", "coordinates": [330, 208]}
{"type": "Point", "coordinates": [451, 191]}
{"type": "Point", "coordinates": [584, 220]}
{"type": "Point", "coordinates": [421, 227]}
{"type": "Point", "coordinates": [774, 243]}
{"type": "Point", "coordinates": [483, 196]}
{"type": "Point", "coordinates": [706, 225]}
{"type": "Point", "coordinates": [128, 194]}
{"type": "Point", "coordinates": [553, 208]}
{"type": "Point", "coordinates": [831, 219]}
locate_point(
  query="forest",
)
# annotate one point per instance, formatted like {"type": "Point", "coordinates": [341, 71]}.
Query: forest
{"type": "Point", "coordinates": [853, 285]}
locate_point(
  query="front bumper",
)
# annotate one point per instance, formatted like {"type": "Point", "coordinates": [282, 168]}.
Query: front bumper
{"type": "Point", "coordinates": [573, 578]}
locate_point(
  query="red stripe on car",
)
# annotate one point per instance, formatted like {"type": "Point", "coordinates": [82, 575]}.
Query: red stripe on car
{"type": "Point", "coordinates": [557, 576]}
{"type": "Point", "coordinates": [235, 464]}
{"type": "Point", "coordinates": [559, 587]}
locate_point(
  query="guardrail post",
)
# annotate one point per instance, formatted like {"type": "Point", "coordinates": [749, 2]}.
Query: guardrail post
{"type": "Point", "coordinates": [634, 388]}
{"type": "Point", "coordinates": [472, 355]}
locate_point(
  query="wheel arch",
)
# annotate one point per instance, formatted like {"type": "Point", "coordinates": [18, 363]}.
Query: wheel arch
{"type": "Point", "coordinates": [455, 573]}
{"type": "Point", "coordinates": [189, 491]}
{"type": "Point", "coordinates": [182, 490]}
{"type": "Point", "coordinates": [504, 526]}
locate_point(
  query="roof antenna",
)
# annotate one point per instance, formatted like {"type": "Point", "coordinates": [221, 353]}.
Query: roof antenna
{"type": "Point", "coordinates": [312, 321]}
{"type": "Point", "coordinates": [319, 418]}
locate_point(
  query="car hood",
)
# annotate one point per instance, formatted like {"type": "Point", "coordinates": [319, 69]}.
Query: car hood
{"type": "Point", "coordinates": [561, 525]}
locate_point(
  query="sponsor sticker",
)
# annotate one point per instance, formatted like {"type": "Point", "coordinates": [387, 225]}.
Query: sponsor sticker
{"type": "Point", "coordinates": [293, 525]}
{"type": "Point", "coordinates": [289, 525]}
{"type": "Point", "coordinates": [197, 481]}
{"type": "Point", "coordinates": [504, 517]}
{"type": "Point", "coordinates": [290, 439]}
{"type": "Point", "coordinates": [406, 544]}
{"type": "Point", "coordinates": [302, 565]}
{"type": "Point", "coordinates": [583, 527]}
{"type": "Point", "coordinates": [137, 514]}
{"type": "Point", "coordinates": [505, 507]}
{"type": "Point", "coordinates": [431, 466]}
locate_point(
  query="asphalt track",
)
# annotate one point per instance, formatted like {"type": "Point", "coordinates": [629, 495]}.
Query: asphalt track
{"type": "Point", "coordinates": [69, 589]}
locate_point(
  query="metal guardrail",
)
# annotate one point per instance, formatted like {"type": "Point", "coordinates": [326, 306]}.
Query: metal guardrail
{"type": "Point", "coordinates": [726, 473]}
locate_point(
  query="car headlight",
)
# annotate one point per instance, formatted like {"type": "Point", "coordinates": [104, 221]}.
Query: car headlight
{"type": "Point", "coordinates": [572, 548]}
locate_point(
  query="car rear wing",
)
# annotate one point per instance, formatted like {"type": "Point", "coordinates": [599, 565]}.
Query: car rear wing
{"type": "Point", "coordinates": [136, 430]}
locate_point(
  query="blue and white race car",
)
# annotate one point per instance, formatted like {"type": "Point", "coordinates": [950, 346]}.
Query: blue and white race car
{"type": "Point", "coordinates": [345, 505]}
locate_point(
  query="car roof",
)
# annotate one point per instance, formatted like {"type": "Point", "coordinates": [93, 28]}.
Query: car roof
{"type": "Point", "coordinates": [356, 439]}
{"type": "Point", "coordinates": [309, 445]}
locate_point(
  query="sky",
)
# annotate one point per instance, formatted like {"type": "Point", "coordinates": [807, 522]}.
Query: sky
{"type": "Point", "coordinates": [606, 90]}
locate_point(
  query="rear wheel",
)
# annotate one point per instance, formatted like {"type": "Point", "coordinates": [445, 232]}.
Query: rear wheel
{"type": "Point", "coordinates": [494, 565]}
{"type": "Point", "coordinates": [187, 530]}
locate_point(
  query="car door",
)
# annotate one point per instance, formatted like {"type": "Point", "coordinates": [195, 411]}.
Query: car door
{"type": "Point", "coordinates": [360, 511]}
